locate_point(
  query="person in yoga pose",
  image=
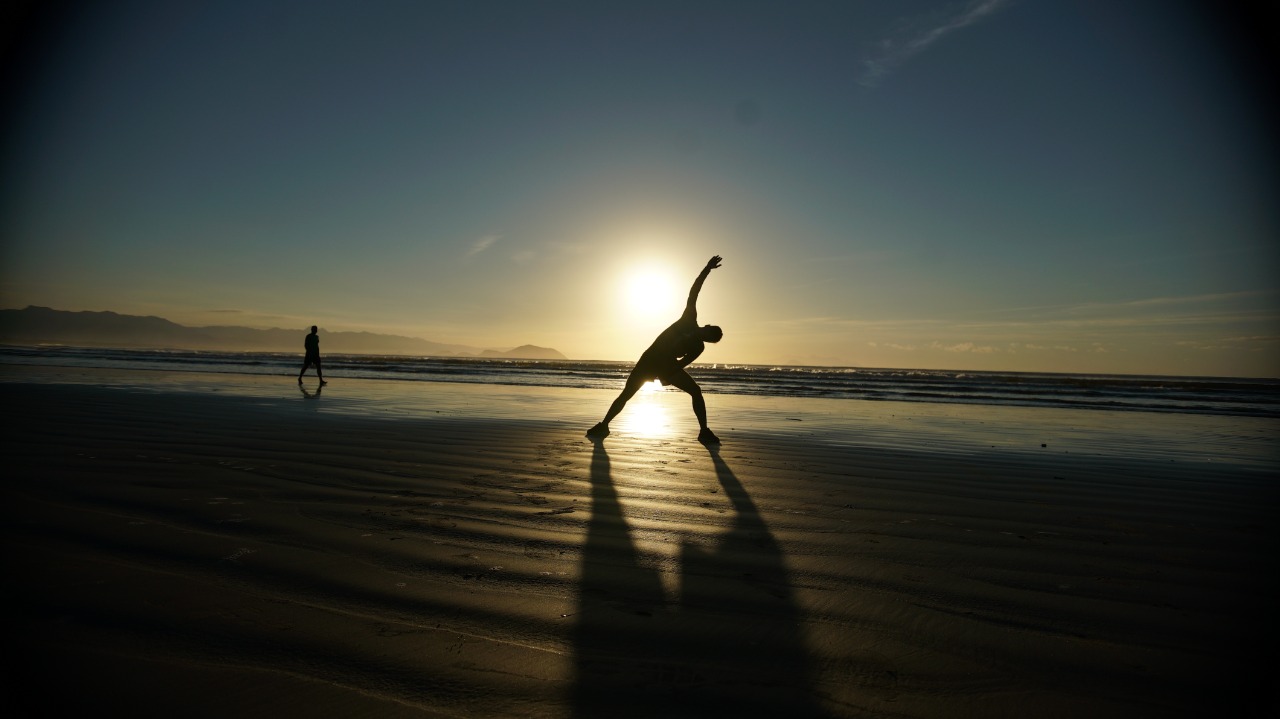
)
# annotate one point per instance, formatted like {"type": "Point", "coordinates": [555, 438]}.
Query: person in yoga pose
{"type": "Point", "coordinates": [666, 359]}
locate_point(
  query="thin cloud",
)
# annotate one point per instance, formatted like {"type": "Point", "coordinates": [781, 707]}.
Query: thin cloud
{"type": "Point", "coordinates": [1259, 342]}
{"type": "Point", "coordinates": [965, 347]}
{"type": "Point", "coordinates": [1208, 299]}
{"type": "Point", "coordinates": [1042, 348]}
{"type": "Point", "coordinates": [1097, 307]}
{"type": "Point", "coordinates": [1248, 318]}
{"type": "Point", "coordinates": [1039, 324]}
{"type": "Point", "coordinates": [916, 35]}
{"type": "Point", "coordinates": [1255, 338]}
{"type": "Point", "coordinates": [570, 248]}
{"type": "Point", "coordinates": [482, 244]}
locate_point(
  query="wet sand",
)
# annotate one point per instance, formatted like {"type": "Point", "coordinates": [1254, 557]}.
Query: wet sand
{"type": "Point", "coordinates": [206, 545]}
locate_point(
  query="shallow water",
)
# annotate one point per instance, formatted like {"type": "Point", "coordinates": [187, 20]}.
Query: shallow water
{"type": "Point", "coordinates": [665, 415]}
{"type": "Point", "coordinates": [1148, 394]}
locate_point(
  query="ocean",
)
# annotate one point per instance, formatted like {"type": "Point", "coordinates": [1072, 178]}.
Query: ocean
{"type": "Point", "coordinates": [1135, 393]}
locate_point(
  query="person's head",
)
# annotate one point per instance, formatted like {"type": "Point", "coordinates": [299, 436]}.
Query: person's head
{"type": "Point", "coordinates": [314, 329]}
{"type": "Point", "coordinates": [710, 333]}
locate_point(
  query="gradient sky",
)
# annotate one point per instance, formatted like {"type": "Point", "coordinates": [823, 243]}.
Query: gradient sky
{"type": "Point", "coordinates": [1000, 184]}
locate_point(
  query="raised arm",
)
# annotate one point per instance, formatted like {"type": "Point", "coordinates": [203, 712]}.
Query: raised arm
{"type": "Point", "coordinates": [691, 307]}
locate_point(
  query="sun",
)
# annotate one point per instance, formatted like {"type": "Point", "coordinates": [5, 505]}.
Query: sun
{"type": "Point", "coordinates": [650, 292]}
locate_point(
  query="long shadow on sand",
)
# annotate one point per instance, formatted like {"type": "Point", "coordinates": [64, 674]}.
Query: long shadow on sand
{"type": "Point", "coordinates": [729, 644]}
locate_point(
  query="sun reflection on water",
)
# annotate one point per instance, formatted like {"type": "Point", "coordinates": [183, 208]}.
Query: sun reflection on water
{"type": "Point", "coordinates": [648, 414]}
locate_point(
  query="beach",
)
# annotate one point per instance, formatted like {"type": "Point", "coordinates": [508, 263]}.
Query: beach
{"type": "Point", "coordinates": [201, 545]}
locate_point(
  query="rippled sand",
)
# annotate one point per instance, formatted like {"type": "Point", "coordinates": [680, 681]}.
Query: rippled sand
{"type": "Point", "coordinates": [230, 546]}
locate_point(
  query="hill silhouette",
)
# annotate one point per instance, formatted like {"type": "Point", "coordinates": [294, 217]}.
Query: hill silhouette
{"type": "Point", "coordinates": [42, 325]}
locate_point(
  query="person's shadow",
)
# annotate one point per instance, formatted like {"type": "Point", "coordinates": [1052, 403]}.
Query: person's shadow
{"type": "Point", "coordinates": [729, 644]}
{"type": "Point", "coordinates": [616, 654]}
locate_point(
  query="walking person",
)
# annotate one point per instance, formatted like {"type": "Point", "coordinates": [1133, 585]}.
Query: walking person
{"type": "Point", "coordinates": [312, 346]}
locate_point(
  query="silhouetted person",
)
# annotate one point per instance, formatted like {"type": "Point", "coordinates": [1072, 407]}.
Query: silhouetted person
{"type": "Point", "coordinates": [312, 345]}
{"type": "Point", "coordinates": [676, 348]}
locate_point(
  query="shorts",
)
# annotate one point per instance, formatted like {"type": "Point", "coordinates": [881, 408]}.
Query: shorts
{"type": "Point", "coordinates": [650, 368]}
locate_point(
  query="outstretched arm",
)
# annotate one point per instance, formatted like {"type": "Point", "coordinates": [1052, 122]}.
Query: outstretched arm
{"type": "Point", "coordinates": [691, 307]}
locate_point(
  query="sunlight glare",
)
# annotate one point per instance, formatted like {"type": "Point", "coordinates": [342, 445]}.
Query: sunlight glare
{"type": "Point", "coordinates": [650, 292]}
{"type": "Point", "coordinates": [648, 413]}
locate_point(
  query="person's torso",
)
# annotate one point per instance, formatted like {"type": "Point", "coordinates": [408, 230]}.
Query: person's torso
{"type": "Point", "coordinates": [678, 340]}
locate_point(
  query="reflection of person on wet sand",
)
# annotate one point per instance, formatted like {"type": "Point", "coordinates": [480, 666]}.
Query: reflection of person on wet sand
{"type": "Point", "coordinates": [665, 360]}
{"type": "Point", "coordinates": [312, 345]}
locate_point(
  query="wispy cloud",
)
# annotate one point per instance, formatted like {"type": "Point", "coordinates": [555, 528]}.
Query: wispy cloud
{"type": "Point", "coordinates": [1146, 302]}
{"type": "Point", "coordinates": [570, 248]}
{"type": "Point", "coordinates": [482, 244]}
{"type": "Point", "coordinates": [1202, 300]}
{"type": "Point", "coordinates": [1044, 348]}
{"type": "Point", "coordinates": [915, 35]}
{"type": "Point", "coordinates": [1240, 322]}
{"type": "Point", "coordinates": [524, 255]}
{"type": "Point", "coordinates": [1253, 343]}
{"type": "Point", "coordinates": [965, 347]}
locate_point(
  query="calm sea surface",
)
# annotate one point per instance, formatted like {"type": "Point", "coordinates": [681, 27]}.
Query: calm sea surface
{"type": "Point", "coordinates": [1189, 395]}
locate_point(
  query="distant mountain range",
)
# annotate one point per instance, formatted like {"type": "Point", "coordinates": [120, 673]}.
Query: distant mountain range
{"type": "Point", "coordinates": [41, 325]}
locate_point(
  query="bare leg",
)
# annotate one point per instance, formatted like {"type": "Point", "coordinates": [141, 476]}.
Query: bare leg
{"type": "Point", "coordinates": [633, 385]}
{"type": "Point", "coordinates": [682, 380]}
{"type": "Point", "coordinates": [628, 391]}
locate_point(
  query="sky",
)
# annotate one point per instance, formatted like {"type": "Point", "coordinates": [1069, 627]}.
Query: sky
{"type": "Point", "coordinates": [1026, 185]}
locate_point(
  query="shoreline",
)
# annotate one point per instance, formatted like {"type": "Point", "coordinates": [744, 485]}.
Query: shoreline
{"type": "Point", "coordinates": [1238, 397]}
{"type": "Point", "coordinates": [220, 545]}
{"type": "Point", "coordinates": [664, 415]}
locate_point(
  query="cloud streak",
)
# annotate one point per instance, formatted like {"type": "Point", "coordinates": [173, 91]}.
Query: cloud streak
{"type": "Point", "coordinates": [1223, 308]}
{"type": "Point", "coordinates": [1165, 327]}
{"type": "Point", "coordinates": [481, 245]}
{"type": "Point", "coordinates": [916, 35]}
